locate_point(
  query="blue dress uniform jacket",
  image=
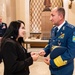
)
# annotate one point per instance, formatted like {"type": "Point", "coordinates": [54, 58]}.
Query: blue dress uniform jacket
{"type": "Point", "coordinates": [3, 27]}
{"type": "Point", "coordinates": [64, 63]}
{"type": "Point", "coordinates": [16, 58]}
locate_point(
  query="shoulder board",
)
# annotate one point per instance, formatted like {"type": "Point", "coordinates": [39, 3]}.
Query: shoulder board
{"type": "Point", "coordinates": [70, 26]}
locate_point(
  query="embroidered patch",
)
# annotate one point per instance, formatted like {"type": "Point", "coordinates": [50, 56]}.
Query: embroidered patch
{"type": "Point", "coordinates": [73, 39]}
{"type": "Point", "coordinates": [61, 36]}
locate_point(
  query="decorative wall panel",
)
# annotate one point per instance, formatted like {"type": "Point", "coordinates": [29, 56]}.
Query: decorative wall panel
{"type": "Point", "coordinates": [56, 3]}
{"type": "Point", "coordinates": [36, 9]}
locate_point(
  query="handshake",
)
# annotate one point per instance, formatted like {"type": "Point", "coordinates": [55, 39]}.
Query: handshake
{"type": "Point", "coordinates": [35, 56]}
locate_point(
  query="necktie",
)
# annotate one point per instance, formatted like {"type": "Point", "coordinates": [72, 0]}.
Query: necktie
{"type": "Point", "coordinates": [55, 32]}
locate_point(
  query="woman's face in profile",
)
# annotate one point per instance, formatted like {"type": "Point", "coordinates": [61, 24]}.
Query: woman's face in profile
{"type": "Point", "coordinates": [21, 31]}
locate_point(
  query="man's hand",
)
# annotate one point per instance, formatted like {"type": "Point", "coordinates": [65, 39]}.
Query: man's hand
{"type": "Point", "coordinates": [33, 53]}
{"type": "Point", "coordinates": [47, 60]}
{"type": "Point", "coordinates": [42, 53]}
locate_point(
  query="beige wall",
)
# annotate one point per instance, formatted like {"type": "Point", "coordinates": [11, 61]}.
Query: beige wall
{"type": "Point", "coordinates": [20, 10]}
{"type": "Point", "coordinates": [71, 16]}
{"type": "Point", "coordinates": [3, 10]}
{"type": "Point", "coordinates": [10, 11]}
{"type": "Point", "coordinates": [70, 13]}
{"type": "Point", "coordinates": [22, 13]}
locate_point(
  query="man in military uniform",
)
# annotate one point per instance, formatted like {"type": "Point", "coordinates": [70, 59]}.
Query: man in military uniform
{"type": "Point", "coordinates": [3, 27]}
{"type": "Point", "coordinates": [62, 35]}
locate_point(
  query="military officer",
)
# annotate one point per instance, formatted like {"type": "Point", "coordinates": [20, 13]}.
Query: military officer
{"type": "Point", "coordinates": [3, 27]}
{"type": "Point", "coordinates": [64, 36]}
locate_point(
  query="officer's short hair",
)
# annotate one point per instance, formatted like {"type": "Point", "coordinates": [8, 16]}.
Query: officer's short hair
{"type": "Point", "coordinates": [61, 10]}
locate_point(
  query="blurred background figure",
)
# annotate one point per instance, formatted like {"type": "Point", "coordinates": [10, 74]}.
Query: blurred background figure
{"type": "Point", "coordinates": [3, 27]}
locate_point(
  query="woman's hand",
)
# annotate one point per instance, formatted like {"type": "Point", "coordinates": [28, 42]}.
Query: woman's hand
{"type": "Point", "coordinates": [34, 55]}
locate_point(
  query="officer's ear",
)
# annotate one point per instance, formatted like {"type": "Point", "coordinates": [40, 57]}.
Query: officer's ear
{"type": "Point", "coordinates": [60, 16]}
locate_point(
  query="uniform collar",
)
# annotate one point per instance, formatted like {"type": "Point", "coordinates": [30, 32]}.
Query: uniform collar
{"type": "Point", "coordinates": [59, 27]}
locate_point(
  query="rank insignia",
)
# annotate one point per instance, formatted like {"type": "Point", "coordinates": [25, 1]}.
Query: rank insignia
{"type": "Point", "coordinates": [61, 36]}
{"type": "Point", "coordinates": [63, 28]}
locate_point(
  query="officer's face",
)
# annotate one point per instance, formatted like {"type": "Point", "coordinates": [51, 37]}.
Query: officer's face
{"type": "Point", "coordinates": [55, 17]}
{"type": "Point", "coordinates": [21, 31]}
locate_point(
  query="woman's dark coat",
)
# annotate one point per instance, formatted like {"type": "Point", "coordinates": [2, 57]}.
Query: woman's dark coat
{"type": "Point", "coordinates": [16, 59]}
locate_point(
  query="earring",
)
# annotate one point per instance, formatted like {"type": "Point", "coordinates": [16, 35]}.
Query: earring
{"type": "Point", "coordinates": [11, 37]}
